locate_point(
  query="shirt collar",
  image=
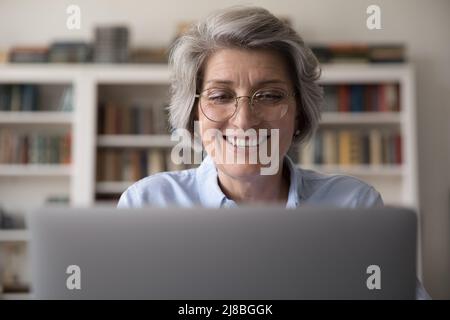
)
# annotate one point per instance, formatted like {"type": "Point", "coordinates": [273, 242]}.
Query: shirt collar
{"type": "Point", "coordinates": [211, 195]}
{"type": "Point", "coordinates": [294, 175]}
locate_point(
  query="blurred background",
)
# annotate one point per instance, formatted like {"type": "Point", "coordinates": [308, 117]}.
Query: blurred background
{"type": "Point", "coordinates": [82, 110]}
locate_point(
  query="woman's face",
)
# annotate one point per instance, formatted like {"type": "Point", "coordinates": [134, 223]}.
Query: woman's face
{"type": "Point", "coordinates": [244, 72]}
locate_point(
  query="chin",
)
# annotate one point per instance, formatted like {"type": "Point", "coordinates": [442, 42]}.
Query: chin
{"type": "Point", "coordinates": [240, 170]}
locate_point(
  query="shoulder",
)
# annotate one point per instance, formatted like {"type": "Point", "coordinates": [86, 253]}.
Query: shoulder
{"type": "Point", "coordinates": [337, 190]}
{"type": "Point", "coordinates": [160, 189]}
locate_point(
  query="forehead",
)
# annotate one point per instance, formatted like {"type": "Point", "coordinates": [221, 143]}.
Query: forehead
{"type": "Point", "coordinates": [238, 65]}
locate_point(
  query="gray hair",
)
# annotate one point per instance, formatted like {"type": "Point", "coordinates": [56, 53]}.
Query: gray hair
{"type": "Point", "coordinates": [245, 28]}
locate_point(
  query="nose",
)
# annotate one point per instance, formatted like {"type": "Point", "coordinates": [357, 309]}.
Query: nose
{"type": "Point", "coordinates": [244, 118]}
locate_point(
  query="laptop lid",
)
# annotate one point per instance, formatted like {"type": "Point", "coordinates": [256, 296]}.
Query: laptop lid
{"type": "Point", "coordinates": [239, 253]}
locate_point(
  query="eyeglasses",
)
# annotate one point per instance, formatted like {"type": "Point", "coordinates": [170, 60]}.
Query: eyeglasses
{"type": "Point", "coordinates": [268, 104]}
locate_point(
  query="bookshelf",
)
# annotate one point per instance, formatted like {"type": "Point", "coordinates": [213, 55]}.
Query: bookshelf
{"type": "Point", "coordinates": [397, 182]}
{"type": "Point", "coordinates": [147, 87]}
{"type": "Point", "coordinates": [334, 118]}
{"type": "Point", "coordinates": [36, 129]}
{"type": "Point", "coordinates": [30, 117]}
{"type": "Point", "coordinates": [136, 141]}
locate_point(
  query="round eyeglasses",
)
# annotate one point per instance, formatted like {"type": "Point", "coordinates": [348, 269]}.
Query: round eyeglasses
{"type": "Point", "coordinates": [219, 105]}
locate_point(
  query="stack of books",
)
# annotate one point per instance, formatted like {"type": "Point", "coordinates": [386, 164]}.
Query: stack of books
{"type": "Point", "coordinates": [353, 147]}
{"type": "Point", "coordinates": [28, 54]}
{"type": "Point", "coordinates": [69, 52]}
{"type": "Point", "coordinates": [360, 53]}
{"type": "Point", "coordinates": [24, 148]}
{"type": "Point", "coordinates": [132, 119]}
{"type": "Point", "coordinates": [3, 56]}
{"type": "Point", "coordinates": [149, 55]}
{"type": "Point", "coordinates": [19, 97]}
{"type": "Point", "coordinates": [362, 98]}
{"type": "Point", "coordinates": [26, 97]}
{"type": "Point", "coordinates": [111, 44]}
{"type": "Point", "coordinates": [133, 164]}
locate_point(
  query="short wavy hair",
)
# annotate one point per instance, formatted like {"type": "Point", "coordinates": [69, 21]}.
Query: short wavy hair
{"type": "Point", "coordinates": [243, 28]}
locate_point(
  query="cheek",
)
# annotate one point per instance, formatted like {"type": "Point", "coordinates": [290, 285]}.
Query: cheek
{"type": "Point", "coordinates": [208, 131]}
{"type": "Point", "coordinates": [287, 127]}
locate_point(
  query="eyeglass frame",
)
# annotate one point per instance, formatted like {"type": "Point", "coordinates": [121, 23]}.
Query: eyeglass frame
{"type": "Point", "coordinates": [236, 105]}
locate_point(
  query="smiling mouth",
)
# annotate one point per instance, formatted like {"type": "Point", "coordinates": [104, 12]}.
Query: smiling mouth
{"type": "Point", "coordinates": [246, 142]}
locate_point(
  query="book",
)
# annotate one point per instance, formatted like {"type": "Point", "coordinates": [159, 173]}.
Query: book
{"type": "Point", "coordinates": [360, 52]}
{"type": "Point", "coordinates": [318, 148]}
{"type": "Point", "coordinates": [131, 119]}
{"type": "Point", "coordinates": [111, 44]}
{"type": "Point", "coordinates": [29, 97]}
{"type": "Point", "coordinates": [355, 148]}
{"type": "Point", "coordinates": [330, 147]}
{"type": "Point", "coordinates": [155, 161]}
{"type": "Point", "coordinates": [69, 52]}
{"type": "Point", "coordinates": [16, 98]}
{"type": "Point", "coordinates": [306, 153]}
{"type": "Point", "coordinates": [28, 55]}
{"type": "Point", "coordinates": [356, 98]}
{"type": "Point", "coordinates": [345, 147]}
{"type": "Point", "coordinates": [5, 97]}
{"type": "Point", "coordinates": [343, 98]}
{"type": "Point", "coordinates": [330, 98]}
{"type": "Point", "coordinates": [66, 102]}
{"type": "Point", "coordinates": [380, 97]}
{"type": "Point", "coordinates": [398, 148]}
{"type": "Point", "coordinates": [3, 56]}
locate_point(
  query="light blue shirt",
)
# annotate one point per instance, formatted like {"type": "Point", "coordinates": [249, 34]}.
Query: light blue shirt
{"type": "Point", "coordinates": [199, 187]}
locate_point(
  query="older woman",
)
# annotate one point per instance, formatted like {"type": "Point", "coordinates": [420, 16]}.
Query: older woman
{"type": "Point", "coordinates": [245, 56]}
{"type": "Point", "coordinates": [244, 69]}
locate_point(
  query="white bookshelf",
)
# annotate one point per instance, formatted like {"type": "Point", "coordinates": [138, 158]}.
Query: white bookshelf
{"type": "Point", "coordinates": [35, 170]}
{"type": "Point", "coordinates": [135, 141]}
{"type": "Point", "coordinates": [112, 186]}
{"type": "Point", "coordinates": [403, 177]}
{"type": "Point", "coordinates": [362, 118]}
{"type": "Point", "coordinates": [16, 296]}
{"type": "Point", "coordinates": [86, 80]}
{"type": "Point", "coordinates": [398, 184]}
{"type": "Point", "coordinates": [35, 117]}
{"type": "Point", "coordinates": [359, 170]}
{"type": "Point", "coordinates": [14, 235]}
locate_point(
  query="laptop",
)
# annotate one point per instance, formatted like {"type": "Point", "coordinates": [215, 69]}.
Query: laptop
{"type": "Point", "coordinates": [235, 253]}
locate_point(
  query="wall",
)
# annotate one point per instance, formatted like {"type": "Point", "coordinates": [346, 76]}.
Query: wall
{"type": "Point", "coordinates": [422, 25]}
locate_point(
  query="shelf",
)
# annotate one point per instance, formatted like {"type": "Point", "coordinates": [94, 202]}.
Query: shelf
{"type": "Point", "coordinates": [135, 141]}
{"type": "Point", "coordinates": [359, 170]}
{"type": "Point", "coordinates": [15, 296]}
{"type": "Point", "coordinates": [361, 118]}
{"type": "Point", "coordinates": [14, 235]}
{"type": "Point", "coordinates": [112, 186]}
{"type": "Point", "coordinates": [35, 117]}
{"type": "Point", "coordinates": [154, 73]}
{"type": "Point", "coordinates": [363, 73]}
{"type": "Point", "coordinates": [38, 170]}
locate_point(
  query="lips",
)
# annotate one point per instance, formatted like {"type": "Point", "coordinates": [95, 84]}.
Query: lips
{"type": "Point", "coordinates": [246, 142]}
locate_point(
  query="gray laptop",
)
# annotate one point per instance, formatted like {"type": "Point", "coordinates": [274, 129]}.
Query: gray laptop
{"type": "Point", "coordinates": [242, 253]}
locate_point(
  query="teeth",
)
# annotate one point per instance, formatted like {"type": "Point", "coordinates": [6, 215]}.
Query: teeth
{"type": "Point", "coordinates": [242, 143]}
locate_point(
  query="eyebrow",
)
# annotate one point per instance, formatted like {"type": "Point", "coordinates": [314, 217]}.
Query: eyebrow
{"type": "Point", "coordinates": [257, 83]}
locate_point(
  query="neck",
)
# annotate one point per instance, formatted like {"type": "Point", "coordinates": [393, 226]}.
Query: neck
{"type": "Point", "coordinates": [258, 188]}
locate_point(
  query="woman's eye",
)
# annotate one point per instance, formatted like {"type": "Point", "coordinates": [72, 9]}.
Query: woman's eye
{"type": "Point", "coordinates": [220, 97]}
{"type": "Point", "coordinates": [270, 96]}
